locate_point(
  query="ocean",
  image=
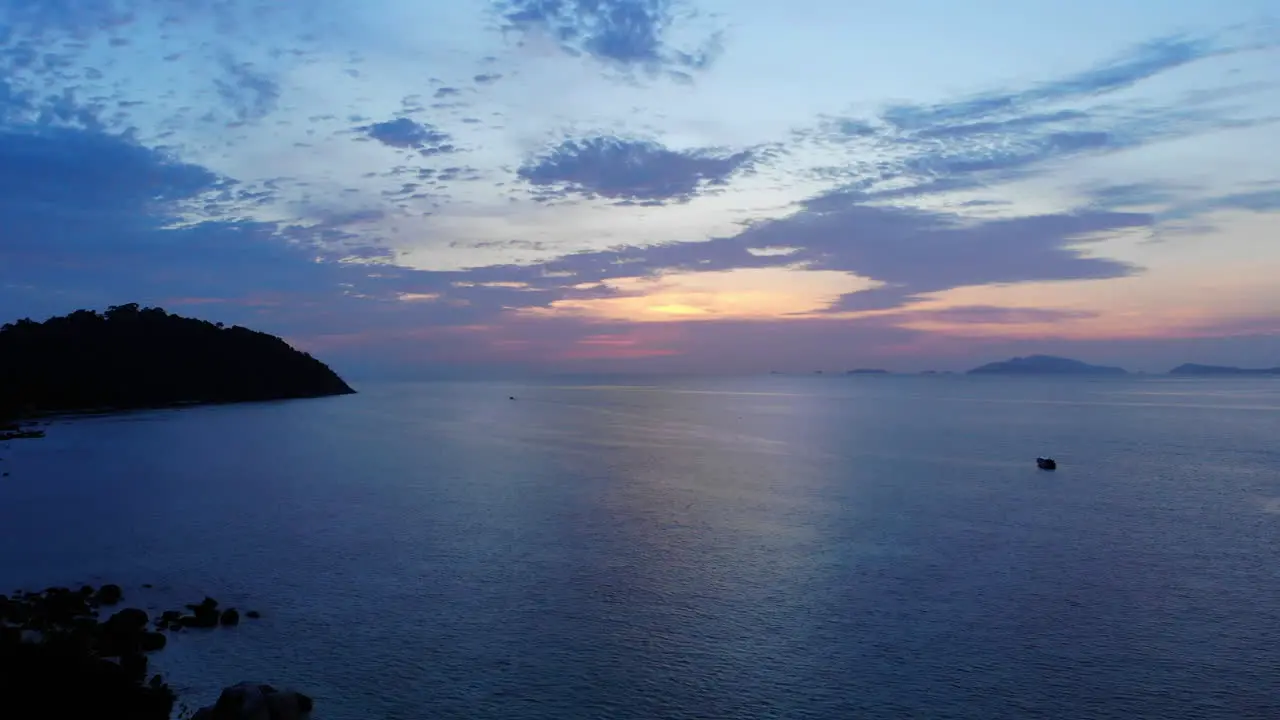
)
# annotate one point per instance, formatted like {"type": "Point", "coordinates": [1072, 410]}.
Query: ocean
{"type": "Point", "coordinates": [778, 547]}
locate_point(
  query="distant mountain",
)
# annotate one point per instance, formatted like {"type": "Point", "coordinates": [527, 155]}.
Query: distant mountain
{"type": "Point", "coordinates": [133, 358]}
{"type": "Point", "coordinates": [1194, 369]}
{"type": "Point", "coordinates": [867, 371]}
{"type": "Point", "coordinates": [1044, 365]}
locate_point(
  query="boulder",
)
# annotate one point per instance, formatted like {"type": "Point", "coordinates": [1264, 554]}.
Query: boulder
{"type": "Point", "coordinates": [134, 666]}
{"type": "Point", "coordinates": [110, 594]}
{"type": "Point", "coordinates": [152, 641]}
{"type": "Point", "coordinates": [125, 633]}
{"type": "Point", "coordinates": [204, 615]}
{"type": "Point", "coordinates": [288, 705]}
{"type": "Point", "coordinates": [59, 606]}
{"type": "Point", "coordinates": [207, 604]}
{"type": "Point", "coordinates": [128, 618]}
{"type": "Point", "coordinates": [256, 701]}
{"type": "Point", "coordinates": [199, 620]}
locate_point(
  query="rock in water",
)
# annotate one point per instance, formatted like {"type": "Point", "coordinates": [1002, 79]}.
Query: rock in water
{"type": "Point", "coordinates": [134, 666]}
{"type": "Point", "coordinates": [129, 619]}
{"type": "Point", "coordinates": [110, 594]}
{"type": "Point", "coordinates": [205, 615]}
{"type": "Point", "coordinates": [257, 701]}
{"type": "Point", "coordinates": [152, 641]}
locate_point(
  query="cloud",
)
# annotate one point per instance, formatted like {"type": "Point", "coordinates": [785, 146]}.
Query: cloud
{"type": "Point", "coordinates": [45, 20]}
{"type": "Point", "coordinates": [1140, 63]}
{"type": "Point", "coordinates": [39, 17]}
{"type": "Point", "coordinates": [1003, 135]}
{"type": "Point", "coordinates": [12, 102]}
{"type": "Point", "coordinates": [1129, 195]}
{"type": "Point", "coordinates": [92, 218]}
{"type": "Point", "coordinates": [1261, 201]}
{"type": "Point", "coordinates": [251, 94]}
{"type": "Point", "coordinates": [1000, 127]}
{"type": "Point", "coordinates": [76, 174]}
{"type": "Point", "coordinates": [1181, 201]}
{"type": "Point", "coordinates": [632, 171]}
{"type": "Point", "coordinates": [908, 252]}
{"type": "Point", "coordinates": [630, 34]}
{"type": "Point", "coordinates": [405, 133]}
{"type": "Point", "coordinates": [487, 78]}
{"type": "Point", "coordinates": [992, 315]}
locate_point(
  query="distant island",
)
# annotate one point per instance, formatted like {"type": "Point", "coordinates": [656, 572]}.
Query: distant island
{"type": "Point", "coordinates": [867, 371]}
{"type": "Point", "coordinates": [1194, 369]}
{"type": "Point", "coordinates": [1044, 365]}
{"type": "Point", "coordinates": [131, 357]}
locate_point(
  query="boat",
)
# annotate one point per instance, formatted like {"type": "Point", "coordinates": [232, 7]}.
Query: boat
{"type": "Point", "coordinates": [1045, 463]}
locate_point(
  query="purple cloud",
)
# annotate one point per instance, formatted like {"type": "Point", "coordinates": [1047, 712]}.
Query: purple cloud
{"type": "Point", "coordinates": [631, 34]}
{"type": "Point", "coordinates": [992, 315]}
{"type": "Point", "coordinates": [405, 133]}
{"type": "Point", "coordinates": [632, 171]}
{"type": "Point", "coordinates": [912, 252]}
{"type": "Point", "coordinates": [1140, 63]}
{"type": "Point", "coordinates": [1007, 134]}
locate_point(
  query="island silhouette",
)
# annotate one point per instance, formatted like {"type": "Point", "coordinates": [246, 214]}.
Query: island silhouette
{"type": "Point", "coordinates": [1052, 365]}
{"type": "Point", "coordinates": [1044, 365]}
{"type": "Point", "coordinates": [1194, 369]}
{"type": "Point", "coordinates": [132, 357]}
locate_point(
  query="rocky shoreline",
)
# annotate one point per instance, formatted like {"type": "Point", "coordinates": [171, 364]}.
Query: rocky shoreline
{"type": "Point", "coordinates": [67, 653]}
{"type": "Point", "coordinates": [16, 431]}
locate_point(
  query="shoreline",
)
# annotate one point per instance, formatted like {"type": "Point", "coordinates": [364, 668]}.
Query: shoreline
{"type": "Point", "coordinates": [60, 658]}
{"type": "Point", "coordinates": [85, 653]}
{"type": "Point", "coordinates": [29, 416]}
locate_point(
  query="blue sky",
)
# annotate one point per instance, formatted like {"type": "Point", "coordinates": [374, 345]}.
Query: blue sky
{"type": "Point", "coordinates": [410, 188]}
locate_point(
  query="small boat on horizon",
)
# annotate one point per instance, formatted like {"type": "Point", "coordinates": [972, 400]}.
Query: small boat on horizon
{"type": "Point", "coordinates": [1046, 463]}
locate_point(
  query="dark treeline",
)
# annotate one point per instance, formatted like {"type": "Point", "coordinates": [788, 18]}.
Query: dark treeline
{"type": "Point", "coordinates": [131, 357]}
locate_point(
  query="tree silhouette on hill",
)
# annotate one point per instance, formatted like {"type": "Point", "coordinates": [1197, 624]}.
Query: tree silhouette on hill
{"type": "Point", "coordinates": [131, 357]}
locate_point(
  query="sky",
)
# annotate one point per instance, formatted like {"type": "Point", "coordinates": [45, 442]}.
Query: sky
{"type": "Point", "coordinates": [420, 189]}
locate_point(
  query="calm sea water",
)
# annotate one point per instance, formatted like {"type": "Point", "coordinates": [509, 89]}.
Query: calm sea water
{"type": "Point", "coordinates": [761, 548]}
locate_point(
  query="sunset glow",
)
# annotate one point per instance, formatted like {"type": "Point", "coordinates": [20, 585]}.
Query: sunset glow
{"type": "Point", "coordinates": [779, 185]}
{"type": "Point", "coordinates": [727, 295]}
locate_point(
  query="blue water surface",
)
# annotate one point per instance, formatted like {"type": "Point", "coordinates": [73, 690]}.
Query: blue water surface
{"type": "Point", "coordinates": [834, 547]}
